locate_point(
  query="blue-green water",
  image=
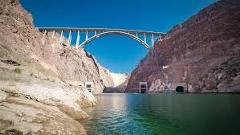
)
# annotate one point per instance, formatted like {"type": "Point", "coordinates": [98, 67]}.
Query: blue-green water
{"type": "Point", "coordinates": [158, 114]}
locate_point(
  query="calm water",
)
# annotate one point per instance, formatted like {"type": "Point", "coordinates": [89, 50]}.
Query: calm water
{"type": "Point", "coordinates": [178, 114]}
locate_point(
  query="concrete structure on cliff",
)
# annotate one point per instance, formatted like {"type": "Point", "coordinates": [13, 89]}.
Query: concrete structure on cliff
{"type": "Point", "coordinates": [145, 38]}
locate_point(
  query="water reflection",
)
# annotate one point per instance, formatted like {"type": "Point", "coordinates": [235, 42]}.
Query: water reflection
{"type": "Point", "coordinates": [181, 114]}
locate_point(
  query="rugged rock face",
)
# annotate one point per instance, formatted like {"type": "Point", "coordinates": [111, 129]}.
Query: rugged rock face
{"type": "Point", "coordinates": [40, 81]}
{"type": "Point", "coordinates": [23, 43]}
{"type": "Point", "coordinates": [202, 54]}
{"type": "Point", "coordinates": [74, 66]}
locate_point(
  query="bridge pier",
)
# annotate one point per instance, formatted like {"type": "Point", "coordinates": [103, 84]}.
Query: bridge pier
{"type": "Point", "coordinates": [45, 32]}
{"type": "Point", "coordinates": [69, 38]}
{"type": "Point", "coordinates": [61, 38]}
{"type": "Point", "coordinates": [86, 36]}
{"type": "Point", "coordinates": [152, 40]}
{"type": "Point", "coordinates": [144, 37]}
{"type": "Point", "coordinates": [78, 39]}
{"type": "Point", "coordinates": [53, 34]}
{"type": "Point", "coordinates": [136, 34]}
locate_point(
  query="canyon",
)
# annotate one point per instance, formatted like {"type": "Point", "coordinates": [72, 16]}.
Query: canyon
{"type": "Point", "coordinates": [201, 54]}
{"type": "Point", "coordinates": [42, 83]}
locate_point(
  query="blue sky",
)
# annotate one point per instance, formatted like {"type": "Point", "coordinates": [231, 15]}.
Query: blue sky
{"type": "Point", "coordinates": [117, 53]}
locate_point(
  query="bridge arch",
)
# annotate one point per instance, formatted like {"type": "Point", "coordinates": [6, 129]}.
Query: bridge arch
{"type": "Point", "coordinates": [118, 33]}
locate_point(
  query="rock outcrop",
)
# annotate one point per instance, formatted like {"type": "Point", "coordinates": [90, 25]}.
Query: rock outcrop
{"type": "Point", "coordinates": [202, 54]}
{"type": "Point", "coordinates": [41, 82]}
{"type": "Point", "coordinates": [20, 116]}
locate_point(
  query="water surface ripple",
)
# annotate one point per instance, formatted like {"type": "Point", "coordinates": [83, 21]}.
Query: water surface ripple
{"type": "Point", "coordinates": [158, 114]}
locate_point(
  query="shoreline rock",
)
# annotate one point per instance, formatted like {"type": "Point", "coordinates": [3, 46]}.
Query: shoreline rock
{"type": "Point", "coordinates": [68, 102]}
{"type": "Point", "coordinates": [25, 116]}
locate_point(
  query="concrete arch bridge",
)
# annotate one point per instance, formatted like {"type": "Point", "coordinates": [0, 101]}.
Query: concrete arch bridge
{"type": "Point", "coordinates": [145, 38]}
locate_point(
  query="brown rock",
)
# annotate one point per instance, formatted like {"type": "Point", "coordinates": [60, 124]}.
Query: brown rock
{"type": "Point", "coordinates": [191, 50]}
{"type": "Point", "coordinates": [21, 42]}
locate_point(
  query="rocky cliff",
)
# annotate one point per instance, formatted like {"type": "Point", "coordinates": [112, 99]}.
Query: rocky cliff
{"type": "Point", "coordinates": [40, 53]}
{"type": "Point", "coordinates": [201, 54]}
{"type": "Point", "coordinates": [41, 81]}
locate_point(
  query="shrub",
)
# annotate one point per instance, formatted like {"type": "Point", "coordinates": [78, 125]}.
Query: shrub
{"type": "Point", "coordinates": [18, 70]}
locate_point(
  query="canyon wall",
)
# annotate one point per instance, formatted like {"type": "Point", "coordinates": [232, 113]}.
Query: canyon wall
{"type": "Point", "coordinates": [41, 82]}
{"type": "Point", "coordinates": [201, 54]}
{"type": "Point", "coordinates": [23, 43]}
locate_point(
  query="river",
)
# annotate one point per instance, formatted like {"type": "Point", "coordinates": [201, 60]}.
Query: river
{"type": "Point", "coordinates": [159, 114]}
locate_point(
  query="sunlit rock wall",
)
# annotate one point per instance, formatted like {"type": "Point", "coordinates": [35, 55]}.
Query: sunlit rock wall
{"type": "Point", "coordinates": [22, 42]}
{"type": "Point", "coordinates": [202, 53]}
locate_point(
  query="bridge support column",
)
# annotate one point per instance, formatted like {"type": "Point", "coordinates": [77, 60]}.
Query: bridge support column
{"type": "Point", "coordinates": [53, 34]}
{"type": "Point", "coordinates": [136, 34]}
{"type": "Point", "coordinates": [86, 36]}
{"type": "Point", "coordinates": [95, 33]}
{"type": "Point", "coordinates": [45, 32]}
{"type": "Point", "coordinates": [160, 38]}
{"type": "Point", "coordinates": [69, 38]}
{"type": "Point", "coordinates": [78, 39]}
{"type": "Point", "coordinates": [61, 38]}
{"type": "Point", "coordinates": [145, 38]}
{"type": "Point", "coordinates": [152, 40]}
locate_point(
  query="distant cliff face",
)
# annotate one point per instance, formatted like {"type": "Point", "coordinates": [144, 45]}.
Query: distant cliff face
{"type": "Point", "coordinates": [202, 54]}
{"type": "Point", "coordinates": [119, 78]}
{"type": "Point", "coordinates": [41, 54]}
{"type": "Point", "coordinates": [120, 81]}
